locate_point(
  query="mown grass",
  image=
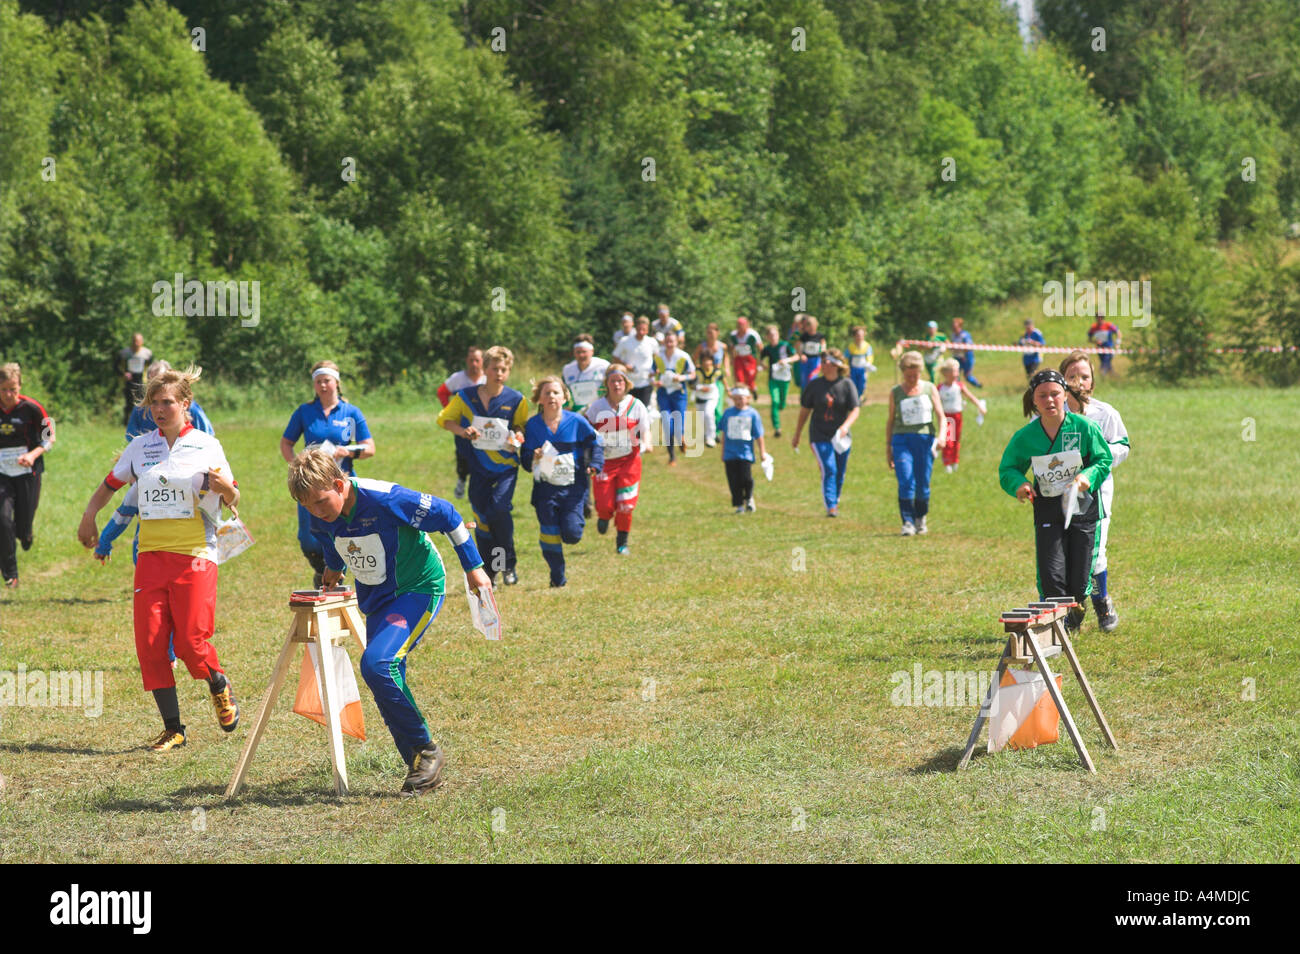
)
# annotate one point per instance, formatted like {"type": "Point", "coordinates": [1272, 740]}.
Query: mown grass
{"type": "Point", "coordinates": [724, 692]}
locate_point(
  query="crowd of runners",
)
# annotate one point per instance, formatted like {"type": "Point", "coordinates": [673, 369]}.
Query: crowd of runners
{"type": "Point", "coordinates": [581, 434]}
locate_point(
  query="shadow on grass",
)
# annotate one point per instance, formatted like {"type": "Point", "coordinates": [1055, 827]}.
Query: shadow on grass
{"type": "Point", "coordinates": [20, 747]}
{"type": "Point", "coordinates": [279, 795]}
{"type": "Point", "coordinates": [945, 761]}
{"type": "Point", "coordinates": [81, 600]}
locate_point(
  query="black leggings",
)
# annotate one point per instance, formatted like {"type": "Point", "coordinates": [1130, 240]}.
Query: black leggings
{"type": "Point", "coordinates": [19, 497]}
{"type": "Point", "coordinates": [740, 478]}
{"type": "Point", "coordinates": [1065, 557]}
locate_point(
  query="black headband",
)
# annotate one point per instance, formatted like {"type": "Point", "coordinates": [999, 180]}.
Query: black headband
{"type": "Point", "coordinates": [1049, 376]}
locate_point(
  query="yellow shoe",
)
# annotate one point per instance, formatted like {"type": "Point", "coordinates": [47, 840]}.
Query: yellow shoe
{"type": "Point", "coordinates": [227, 708]}
{"type": "Point", "coordinates": [167, 740]}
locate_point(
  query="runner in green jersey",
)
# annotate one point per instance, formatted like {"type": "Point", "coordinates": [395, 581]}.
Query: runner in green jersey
{"type": "Point", "coordinates": [1068, 456]}
{"type": "Point", "coordinates": [781, 360]}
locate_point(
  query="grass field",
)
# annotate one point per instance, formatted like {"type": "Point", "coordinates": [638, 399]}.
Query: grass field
{"type": "Point", "coordinates": [723, 693]}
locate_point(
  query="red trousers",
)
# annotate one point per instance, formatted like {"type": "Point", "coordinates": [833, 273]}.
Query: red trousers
{"type": "Point", "coordinates": [952, 441]}
{"type": "Point", "coordinates": [746, 370]}
{"type": "Point", "coordinates": [616, 489]}
{"type": "Point", "coordinates": [174, 593]}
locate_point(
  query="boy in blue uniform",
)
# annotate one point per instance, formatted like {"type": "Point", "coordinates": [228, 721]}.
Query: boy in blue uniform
{"type": "Point", "coordinates": [559, 486]}
{"type": "Point", "coordinates": [488, 421]}
{"type": "Point", "coordinates": [742, 428]}
{"type": "Point", "coordinates": [377, 530]}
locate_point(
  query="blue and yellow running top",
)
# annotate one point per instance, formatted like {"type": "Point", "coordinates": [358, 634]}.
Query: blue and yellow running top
{"type": "Point", "coordinates": [489, 455]}
{"type": "Point", "coordinates": [381, 540]}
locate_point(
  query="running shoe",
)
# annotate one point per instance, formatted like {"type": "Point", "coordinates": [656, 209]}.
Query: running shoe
{"type": "Point", "coordinates": [28, 541]}
{"type": "Point", "coordinates": [909, 529]}
{"type": "Point", "coordinates": [833, 512]}
{"type": "Point", "coordinates": [920, 525]}
{"type": "Point", "coordinates": [510, 577]}
{"type": "Point", "coordinates": [1074, 620]}
{"type": "Point", "coordinates": [778, 432]}
{"type": "Point", "coordinates": [710, 443]}
{"type": "Point", "coordinates": [750, 506]}
{"type": "Point", "coordinates": [460, 487]}
{"type": "Point", "coordinates": [947, 468]}
{"type": "Point", "coordinates": [672, 462]}
{"type": "Point", "coordinates": [426, 771]}
{"type": "Point", "coordinates": [226, 706]}
{"type": "Point", "coordinates": [1107, 618]}
{"type": "Point", "coordinates": [623, 550]}
{"type": "Point", "coordinates": [740, 509]}
{"type": "Point", "coordinates": [556, 586]}
{"type": "Point", "coordinates": [167, 740]}
{"type": "Point", "coordinates": [602, 526]}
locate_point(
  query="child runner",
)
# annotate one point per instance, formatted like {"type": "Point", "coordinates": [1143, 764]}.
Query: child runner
{"type": "Point", "coordinates": [1031, 337]}
{"type": "Point", "coordinates": [934, 354]}
{"type": "Point", "coordinates": [626, 326]}
{"type": "Point", "coordinates": [560, 489]}
{"type": "Point", "coordinates": [811, 345]}
{"type": "Point", "coordinates": [623, 424]}
{"type": "Point", "coordinates": [26, 436]}
{"type": "Point", "coordinates": [860, 355]}
{"type": "Point", "coordinates": [965, 356]}
{"type": "Point", "coordinates": [742, 428]}
{"type": "Point", "coordinates": [910, 429]}
{"type": "Point", "coordinates": [833, 404]}
{"type": "Point", "coordinates": [1066, 453]}
{"type": "Point", "coordinates": [708, 384]}
{"type": "Point", "coordinates": [377, 530]}
{"type": "Point", "coordinates": [665, 323]}
{"type": "Point", "coordinates": [950, 394]}
{"type": "Point", "coordinates": [1105, 334]}
{"type": "Point", "coordinates": [1077, 370]}
{"type": "Point", "coordinates": [795, 337]}
{"type": "Point", "coordinates": [781, 358]}
{"type": "Point", "coordinates": [471, 377]}
{"type": "Point", "coordinates": [745, 345]}
{"type": "Point", "coordinates": [184, 478]}
{"type": "Point", "coordinates": [488, 422]}
{"type": "Point", "coordinates": [674, 370]}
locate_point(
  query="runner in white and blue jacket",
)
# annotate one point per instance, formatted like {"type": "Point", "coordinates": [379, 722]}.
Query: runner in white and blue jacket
{"type": "Point", "coordinates": [377, 530]}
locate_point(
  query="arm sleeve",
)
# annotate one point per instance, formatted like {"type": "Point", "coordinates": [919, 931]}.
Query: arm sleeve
{"type": "Point", "coordinates": [444, 395]}
{"type": "Point", "coordinates": [119, 521]}
{"type": "Point", "coordinates": [293, 430]}
{"type": "Point", "coordinates": [454, 411]}
{"type": "Point", "coordinates": [362, 430]}
{"type": "Point", "coordinates": [758, 422]}
{"type": "Point", "coordinates": [434, 515]}
{"type": "Point", "coordinates": [1015, 462]}
{"type": "Point", "coordinates": [853, 391]}
{"type": "Point", "coordinates": [1116, 435]}
{"type": "Point", "coordinates": [123, 471]}
{"type": "Point", "coordinates": [520, 420]}
{"type": "Point", "coordinates": [805, 398]}
{"type": "Point", "coordinates": [595, 449]}
{"type": "Point", "coordinates": [527, 448]}
{"type": "Point", "coordinates": [1099, 452]}
{"type": "Point", "coordinates": [332, 558]}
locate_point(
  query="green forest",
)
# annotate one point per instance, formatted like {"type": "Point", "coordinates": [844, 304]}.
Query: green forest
{"type": "Point", "coordinates": [405, 177]}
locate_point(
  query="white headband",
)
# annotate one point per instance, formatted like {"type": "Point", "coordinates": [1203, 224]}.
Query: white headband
{"type": "Point", "coordinates": [329, 372]}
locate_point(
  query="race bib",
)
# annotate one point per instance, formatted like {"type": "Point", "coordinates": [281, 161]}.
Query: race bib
{"type": "Point", "coordinates": [9, 465]}
{"type": "Point", "coordinates": [1055, 472]}
{"type": "Point", "coordinates": [618, 443]}
{"type": "Point", "coordinates": [742, 350]}
{"type": "Point", "coordinates": [668, 381]}
{"type": "Point", "coordinates": [584, 392]}
{"type": "Point", "coordinates": [165, 496]}
{"type": "Point", "coordinates": [951, 398]}
{"type": "Point", "coordinates": [562, 471]}
{"type": "Point", "coordinates": [739, 428]}
{"type": "Point", "coordinates": [916, 410]}
{"type": "Point", "coordinates": [364, 556]}
{"type": "Point", "coordinates": [781, 372]}
{"type": "Point", "coordinates": [135, 364]}
{"type": "Point", "coordinates": [1100, 337]}
{"type": "Point", "coordinates": [813, 348]}
{"type": "Point", "coordinates": [859, 360]}
{"type": "Point", "coordinates": [492, 433]}
{"type": "Point", "coordinates": [705, 392]}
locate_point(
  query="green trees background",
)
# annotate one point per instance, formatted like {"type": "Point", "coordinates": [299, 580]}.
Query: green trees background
{"type": "Point", "coordinates": [405, 177]}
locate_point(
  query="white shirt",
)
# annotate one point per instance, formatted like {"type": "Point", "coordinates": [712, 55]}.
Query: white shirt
{"type": "Point", "coordinates": [639, 356]}
{"type": "Point", "coordinates": [460, 381]}
{"type": "Point", "coordinates": [584, 384]}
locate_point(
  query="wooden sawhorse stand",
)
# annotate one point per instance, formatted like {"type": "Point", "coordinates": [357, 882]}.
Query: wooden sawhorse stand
{"type": "Point", "coordinates": [1036, 634]}
{"type": "Point", "coordinates": [324, 623]}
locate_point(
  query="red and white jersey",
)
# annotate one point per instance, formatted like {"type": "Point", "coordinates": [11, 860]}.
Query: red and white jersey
{"type": "Point", "coordinates": [623, 430]}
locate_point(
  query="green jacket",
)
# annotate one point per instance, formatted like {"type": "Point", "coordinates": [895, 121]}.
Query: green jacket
{"type": "Point", "coordinates": [1078, 447]}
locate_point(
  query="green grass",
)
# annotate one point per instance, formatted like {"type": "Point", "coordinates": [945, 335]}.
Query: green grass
{"type": "Point", "coordinates": [771, 688]}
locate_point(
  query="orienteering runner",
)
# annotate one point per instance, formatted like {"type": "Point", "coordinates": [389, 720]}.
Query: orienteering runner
{"type": "Point", "coordinates": [744, 344]}
{"type": "Point", "coordinates": [623, 424]}
{"type": "Point", "coordinates": [470, 377]}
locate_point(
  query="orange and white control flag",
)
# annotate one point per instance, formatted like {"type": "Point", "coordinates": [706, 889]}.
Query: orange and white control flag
{"type": "Point", "coordinates": [348, 706]}
{"type": "Point", "coordinates": [1023, 714]}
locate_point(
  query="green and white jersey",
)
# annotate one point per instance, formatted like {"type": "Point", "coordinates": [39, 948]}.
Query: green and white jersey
{"type": "Point", "coordinates": [1078, 447]}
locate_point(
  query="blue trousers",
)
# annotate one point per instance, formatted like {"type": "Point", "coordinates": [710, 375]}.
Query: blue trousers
{"type": "Point", "coordinates": [492, 498]}
{"type": "Point", "coordinates": [967, 364]}
{"type": "Point", "coordinates": [833, 466]}
{"type": "Point", "coordinates": [859, 378]}
{"type": "Point", "coordinates": [673, 408]}
{"type": "Point", "coordinates": [559, 520]}
{"type": "Point", "coordinates": [391, 633]}
{"type": "Point", "coordinates": [913, 463]}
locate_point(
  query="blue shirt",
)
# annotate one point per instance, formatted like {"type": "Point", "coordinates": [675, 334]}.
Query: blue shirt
{"type": "Point", "coordinates": [1033, 337]}
{"type": "Point", "coordinates": [574, 438]}
{"type": "Point", "coordinates": [382, 541]}
{"type": "Point", "coordinates": [345, 425]}
{"type": "Point", "coordinates": [141, 421]}
{"type": "Point", "coordinates": [736, 448]}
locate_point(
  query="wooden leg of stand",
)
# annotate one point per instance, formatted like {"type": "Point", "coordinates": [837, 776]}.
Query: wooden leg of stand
{"type": "Point", "coordinates": [1061, 707]}
{"type": "Point", "coordinates": [984, 709]}
{"type": "Point", "coordinates": [358, 625]}
{"type": "Point", "coordinates": [1087, 689]}
{"type": "Point", "coordinates": [264, 712]}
